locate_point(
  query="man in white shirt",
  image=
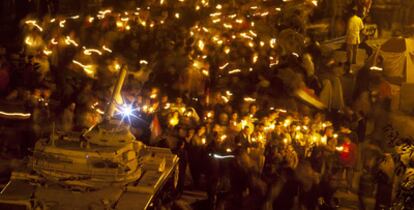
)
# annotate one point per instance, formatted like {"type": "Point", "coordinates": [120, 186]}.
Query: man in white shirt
{"type": "Point", "coordinates": [355, 26]}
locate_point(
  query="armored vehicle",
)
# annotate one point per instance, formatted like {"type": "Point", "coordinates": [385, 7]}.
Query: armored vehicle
{"type": "Point", "coordinates": [102, 168]}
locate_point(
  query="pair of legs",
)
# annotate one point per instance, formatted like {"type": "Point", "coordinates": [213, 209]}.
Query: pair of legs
{"type": "Point", "coordinates": [351, 53]}
{"type": "Point", "coordinates": [349, 175]}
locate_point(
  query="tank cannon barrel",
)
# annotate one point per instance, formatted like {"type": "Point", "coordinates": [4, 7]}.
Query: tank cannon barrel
{"type": "Point", "coordinates": [116, 93]}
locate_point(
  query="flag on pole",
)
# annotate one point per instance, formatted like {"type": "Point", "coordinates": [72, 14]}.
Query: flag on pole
{"type": "Point", "coordinates": [155, 128]}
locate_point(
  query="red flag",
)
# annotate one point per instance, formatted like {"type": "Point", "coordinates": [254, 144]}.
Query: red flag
{"type": "Point", "coordinates": [155, 128]}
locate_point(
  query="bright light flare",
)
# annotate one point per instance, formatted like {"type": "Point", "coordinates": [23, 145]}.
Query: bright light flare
{"type": "Point", "coordinates": [127, 111]}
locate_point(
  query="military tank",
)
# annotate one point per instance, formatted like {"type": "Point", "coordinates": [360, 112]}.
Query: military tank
{"type": "Point", "coordinates": [102, 168]}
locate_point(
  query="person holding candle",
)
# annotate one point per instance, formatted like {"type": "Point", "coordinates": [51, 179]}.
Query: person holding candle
{"type": "Point", "coordinates": [348, 158]}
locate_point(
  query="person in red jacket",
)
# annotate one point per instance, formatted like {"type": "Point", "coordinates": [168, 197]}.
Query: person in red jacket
{"type": "Point", "coordinates": [348, 157]}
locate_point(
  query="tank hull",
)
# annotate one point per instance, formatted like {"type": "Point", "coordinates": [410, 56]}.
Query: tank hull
{"type": "Point", "coordinates": [30, 191]}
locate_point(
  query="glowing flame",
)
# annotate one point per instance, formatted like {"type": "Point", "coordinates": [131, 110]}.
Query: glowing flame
{"type": "Point", "coordinates": [224, 66]}
{"type": "Point", "coordinates": [201, 45]}
{"type": "Point", "coordinates": [249, 99]}
{"type": "Point", "coordinates": [287, 123]}
{"type": "Point", "coordinates": [215, 14]}
{"type": "Point", "coordinates": [173, 121]}
{"type": "Point", "coordinates": [376, 68]}
{"type": "Point", "coordinates": [272, 43]}
{"type": "Point", "coordinates": [205, 72]}
{"type": "Point", "coordinates": [34, 23]}
{"type": "Point", "coordinates": [262, 43]}
{"type": "Point", "coordinates": [87, 68]}
{"type": "Point", "coordinates": [255, 57]}
{"type": "Point", "coordinates": [227, 50]}
{"type": "Point", "coordinates": [264, 14]}
{"type": "Point", "coordinates": [244, 35]}
{"type": "Point", "coordinates": [54, 42]}
{"type": "Point", "coordinates": [282, 110]}
{"type": "Point", "coordinates": [69, 41]}
{"type": "Point", "coordinates": [90, 51]}
{"type": "Point", "coordinates": [227, 26]}
{"type": "Point", "coordinates": [234, 71]}
{"type": "Point", "coordinates": [29, 41]}
{"type": "Point", "coordinates": [62, 23]}
{"type": "Point", "coordinates": [15, 114]}
{"type": "Point", "coordinates": [226, 100]}
{"type": "Point", "coordinates": [167, 106]}
{"type": "Point", "coordinates": [106, 49]}
{"type": "Point", "coordinates": [102, 14]}
{"type": "Point", "coordinates": [47, 51]}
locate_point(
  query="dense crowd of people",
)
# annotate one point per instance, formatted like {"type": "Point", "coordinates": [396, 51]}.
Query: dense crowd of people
{"type": "Point", "coordinates": [247, 155]}
{"type": "Point", "coordinates": [250, 102]}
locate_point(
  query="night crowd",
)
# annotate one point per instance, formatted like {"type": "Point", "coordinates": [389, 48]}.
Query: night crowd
{"type": "Point", "coordinates": [247, 135]}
